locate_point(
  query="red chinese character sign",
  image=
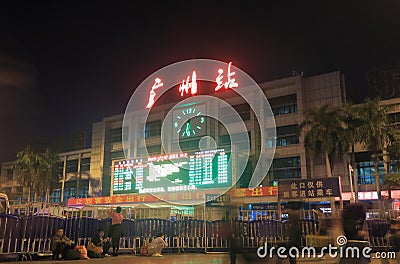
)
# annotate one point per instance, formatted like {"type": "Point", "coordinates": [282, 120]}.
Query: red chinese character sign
{"type": "Point", "coordinates": [229, 83]}
{"type": "Point", "coordinates": [188, 119]}
{"type": "Point", "coordinates": [157, 84]}
{"type": "Point", "coordinates": [190, 86]}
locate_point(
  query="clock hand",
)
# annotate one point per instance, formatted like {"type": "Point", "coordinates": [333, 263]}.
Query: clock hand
{"type": "Point", "coordinates": [188, 129]}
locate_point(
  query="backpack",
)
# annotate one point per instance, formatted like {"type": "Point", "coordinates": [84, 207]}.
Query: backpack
{"type": "Point", "coordinates": [71, 254]}
{"type": "Point", "coordinates": [143, 250]}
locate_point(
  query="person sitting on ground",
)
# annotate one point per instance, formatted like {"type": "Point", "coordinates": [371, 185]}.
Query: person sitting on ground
{"type": "Point", "coordinates": [157, 245]}
{"type": "Point", "coordinates": [59, 243]}
{"type": "Point", "coordinates": [100, 245]}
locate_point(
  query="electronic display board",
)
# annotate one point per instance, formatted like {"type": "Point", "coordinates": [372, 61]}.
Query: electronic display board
{"type": "Point", "coordinates": [173, 172]}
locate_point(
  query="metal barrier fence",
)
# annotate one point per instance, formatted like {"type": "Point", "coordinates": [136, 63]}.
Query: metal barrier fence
{"type": "Point", "coordinates": [30, 231]}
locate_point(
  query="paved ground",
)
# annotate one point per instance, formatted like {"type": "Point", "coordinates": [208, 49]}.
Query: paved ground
{"type": "Point", "coordinates": [214, 258]}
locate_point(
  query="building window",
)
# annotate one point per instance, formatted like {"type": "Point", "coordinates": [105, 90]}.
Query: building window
{"type": "Point", "coordinates": [284, 105]}
{"type": "Point", "coordinates": [115, 155]}
{"type": "Point", "coordinates": [118, 134]}
{"type": "Point", "coordinates": [9, 174]}
{"type": "Point", "coordinates": [227, 114]}
{"type": "Point", "coordinates": [154, 150]}
{"type": "Point", "coordinates": [72, 166]}
{"type": "Point", "coordinates": [287, 135]}
{"type": "Point", "coordinates": [59, 167]}
{"type": "Point", "coordinates": [286, 168]}
{"type": "Point", "coordinates": [151, 150]}
{"type": "Point", "coordinates": [189, 145]}
{"type": "Point", "coordinates": [19, 189]}
{"type": "Point", "coordinates": [69, 193]}
{"type": "Point", "coordinates": [152, 129]}
{"type": "Point", "coordinates": [366, 172]}
{"type": "Point", "coordinates": [55, 196]}
{"type": "Point", "coordinates": [225, 140]}
{"type": "Point", "coordinates": [8, 190]}
{"type": "Point", "coordinates": [85, 164]}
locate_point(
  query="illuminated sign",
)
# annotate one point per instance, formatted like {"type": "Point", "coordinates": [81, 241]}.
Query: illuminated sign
{"type": "Point", "coordinates": [157, 84]}
{"type": "Point", "coordinates": [190, 84]}
{"type": "Point", "coordinates": [230, 83]}
{"type": "Point", "coordinates": [173, 173]}
{"type": "Point", "coordinates": [215, 200]}
{"type": "Point", "coordinates": [173, 196]}
{"type": "Point", "coordinates": [309, 188]}
{"type": "Point", "coordinates": [184, 87]}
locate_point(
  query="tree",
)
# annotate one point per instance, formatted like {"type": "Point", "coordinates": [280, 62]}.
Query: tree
{"type": "Point", "coordinates": [47, 176]}
{"type": "Point", "coordinates": [351, 117]}
{"type": "Point", "coordinates": [324, 133]}
{"type": "Point", "coordinates": [36, 171]}
{"type": "Point", "coordinates": [391, 181]}
{"type": "Point", "coordinates": [27, 165]}
{"type": "Point", "coordinates": [376, 134]}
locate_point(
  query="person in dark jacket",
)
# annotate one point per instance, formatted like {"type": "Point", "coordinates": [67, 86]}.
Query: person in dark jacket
{"type": "Point", "coordinates": [59, 244]}
{"type": "Point", "coordinates": [294, 231]}
{"type": "Point", "coordinates": [100, 241]}
{"type": "Point", "coordinates": [353, 218]}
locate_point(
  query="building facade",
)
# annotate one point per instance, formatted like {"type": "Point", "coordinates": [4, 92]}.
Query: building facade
{"type": "Point", "coordinates": [72, 172]}
{"type": "Point", "coordinates": [89, 172]}
{"type": "Point", "coordinates": [288, 97]}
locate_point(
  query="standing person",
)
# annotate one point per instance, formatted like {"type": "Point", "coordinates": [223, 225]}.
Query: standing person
{"type": "Point", "coordinates": [353, 218]}
{"type": "Point", "coordinates": [157, 245]}
{"type": "Point", "coordinates": [354, 227]}
{"type": "Point", "coordinates": [115, 231]}
{"type": "Point", "coordinates": [394, 234]}
{"type": "Point", "coordinates": [233, 248]}
{"type": "Point", "coordinates": [294, 230]}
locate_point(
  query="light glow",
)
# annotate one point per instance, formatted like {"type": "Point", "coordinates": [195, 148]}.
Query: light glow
{"type": "Point", "coordinates": [184, 86]}
{"type": "Point", "coordinates": [230, 83]}
{"type": "Point", "coordinates": [157, 84]}
{"type": "Point", "coordinates": [189, 86]}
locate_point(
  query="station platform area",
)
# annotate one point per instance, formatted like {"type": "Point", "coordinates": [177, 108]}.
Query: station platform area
{"type": "Point", "coordinates": [196, 258]}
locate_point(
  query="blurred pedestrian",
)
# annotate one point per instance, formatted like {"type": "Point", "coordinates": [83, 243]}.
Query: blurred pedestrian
{"type": "Point", "coordinates": [354, 228]}
{"type": "Point", "coordinates": [353, 220]}
{"type": "Point", "coordinates": [294, 230]}
{"type": "Point", "coordinates": [115, 231]}
{"type": "Point", "coordinates": [394, 234]}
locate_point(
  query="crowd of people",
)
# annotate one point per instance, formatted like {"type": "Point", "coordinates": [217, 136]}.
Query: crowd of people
{"type": "Point", "coordinates": [352, 224]}
{"type": "Point", "coordinates": [99, 246]}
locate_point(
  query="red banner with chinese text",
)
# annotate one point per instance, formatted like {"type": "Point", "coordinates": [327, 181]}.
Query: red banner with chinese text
{"type": "Point", "coordinates": [174, 196]}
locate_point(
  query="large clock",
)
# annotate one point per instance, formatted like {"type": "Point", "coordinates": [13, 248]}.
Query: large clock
{"type": "Point", "coordinates": [189, 122]}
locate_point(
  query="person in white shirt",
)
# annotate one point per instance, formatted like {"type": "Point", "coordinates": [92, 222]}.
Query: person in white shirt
{"type": "Point", "coordinates": [157, 245]}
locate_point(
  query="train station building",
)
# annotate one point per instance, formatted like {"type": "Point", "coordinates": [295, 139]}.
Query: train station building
{"type": "Point", "coordinates": [113, 170]}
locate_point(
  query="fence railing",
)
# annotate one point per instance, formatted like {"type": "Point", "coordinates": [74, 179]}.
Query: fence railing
{"type": "Point", "coordinates": [28, 230]}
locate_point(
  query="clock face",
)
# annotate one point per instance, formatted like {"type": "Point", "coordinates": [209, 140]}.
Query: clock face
{"type": "Point", "coordinates": [190, 122]}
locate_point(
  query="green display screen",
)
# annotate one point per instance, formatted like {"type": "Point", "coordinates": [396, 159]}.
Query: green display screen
{"type": "Point", "coordinates": [173, 172]}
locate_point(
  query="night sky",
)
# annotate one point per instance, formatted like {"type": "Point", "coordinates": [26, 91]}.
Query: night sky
{"type": "Point", "coordinates": [67, 64]}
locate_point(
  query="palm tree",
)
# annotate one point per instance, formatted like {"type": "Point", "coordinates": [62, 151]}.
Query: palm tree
{"type": "Point", "coordinates": [378, 136]}
{"type": "Point", "coordinates": [47, 177]}
{"type": "Point", "coordinates": [27, 165]}
{"type": "Point", "coordinates": [36, 171]}
{"type": "Point", "coordinates": [324, 133]}
{"type": "Point", "coordinates": [351, 117]}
